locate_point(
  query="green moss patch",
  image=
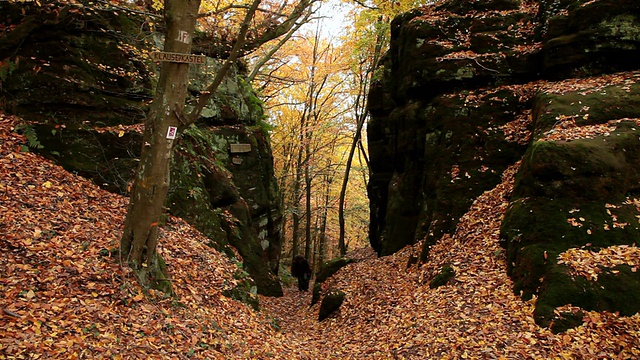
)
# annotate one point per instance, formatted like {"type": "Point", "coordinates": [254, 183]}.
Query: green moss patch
{"type": "Point", "coordinates": [616, 290]}
{"type": "Point", "coordinates": [330, 303]}
{"type": "Point", "coordinates": [444, 276]}
{"type": "Point", "coordinates": [331, 267]}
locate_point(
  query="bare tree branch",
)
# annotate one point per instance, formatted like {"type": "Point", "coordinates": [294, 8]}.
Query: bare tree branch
{"type": "Point", "coordinates": [273, 27]}
{"type": "Point", "coordinates": [260, 63]}
{"type": "Point", "coordinates": [245, 7]}
{"type": "Point", "coordinates": [362, 3]}
{"type": "Point", "coordinates": [222, 72]}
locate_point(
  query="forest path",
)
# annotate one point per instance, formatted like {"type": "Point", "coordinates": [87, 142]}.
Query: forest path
{"type": "Point", "coordinates": [65, 296]}
{"type": "Point", "coordinates": [390, 311]}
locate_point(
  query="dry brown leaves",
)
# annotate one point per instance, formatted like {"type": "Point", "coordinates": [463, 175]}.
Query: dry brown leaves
{"type": "Point", "coordinates": [63, 296]}
{"type": "Point", "coordinates": [391, 313]}
{"type": "Point", "coordinates": [518, 130]}
{"type": "Point", "coordinates": [63, 299]}
{"type": "Point", "coordinates": [566, 129]}
{"type": "Point", "coordinates": [588, 263]}
{"type": "Point", "coordinates": [594, 83]}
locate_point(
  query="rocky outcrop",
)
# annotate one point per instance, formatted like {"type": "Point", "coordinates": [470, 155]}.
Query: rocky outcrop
{"type": "Point", "coordinates": [471, 87]}
{"type": "Point", "coordinates": [80, 77]}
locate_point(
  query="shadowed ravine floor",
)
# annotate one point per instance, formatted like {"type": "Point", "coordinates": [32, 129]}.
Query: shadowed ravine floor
{"type": "Point", "coordinates": [391, 312]}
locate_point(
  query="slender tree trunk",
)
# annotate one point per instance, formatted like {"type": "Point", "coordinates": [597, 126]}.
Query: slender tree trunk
{"type": "Point", "coordinates": [343, 190]}
{"type": "Point", "coordinates": [361, 116]}
{"type": "Point", "coordinates": [282, 186]}
{"type": "Point", "coordinates": [300, 168]}
{"type": "Point", "coordinates": [316, 241]}
{"type": "Point", "coordinates": [140, 235]}
{"type": "Point", "coordinates": [307, 181]}
{"type": "Point", "coordinates": [296, 193]}
{"type": "Point", "coordinates": [322, 238]}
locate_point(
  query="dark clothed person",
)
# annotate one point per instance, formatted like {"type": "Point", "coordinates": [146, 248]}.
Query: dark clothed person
{"type": "Point", "coordinates": [300, 268]}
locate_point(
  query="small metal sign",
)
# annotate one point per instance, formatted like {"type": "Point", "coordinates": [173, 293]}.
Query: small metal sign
{"type": "Point", "coordinates": [177, 57]}
{"type": "Point", "coordinates": [240, 148]}
{"type": "Point", "coordinates": [172, 132]}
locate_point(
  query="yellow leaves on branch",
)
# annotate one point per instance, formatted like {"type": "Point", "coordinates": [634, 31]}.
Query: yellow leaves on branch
{"type": "Point", "coordinates": [158, 4]}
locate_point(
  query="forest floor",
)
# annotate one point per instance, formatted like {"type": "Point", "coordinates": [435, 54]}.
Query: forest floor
{"type": "Point", "coordinates": [62, 294]}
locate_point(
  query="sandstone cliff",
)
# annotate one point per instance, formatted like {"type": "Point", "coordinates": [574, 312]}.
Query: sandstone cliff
{"type": "Point", "coordinates": [469, 88]}
{"type": "Point", "coordinates": [81, 78]}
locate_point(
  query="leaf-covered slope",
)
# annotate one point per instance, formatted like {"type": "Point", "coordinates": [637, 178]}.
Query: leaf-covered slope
{"type": "Point", "coordinates": [391, 312]}
{"type": "Point", "coordinates": [65, 296]}
{"type": "Point", "coordinates": [80, 75]}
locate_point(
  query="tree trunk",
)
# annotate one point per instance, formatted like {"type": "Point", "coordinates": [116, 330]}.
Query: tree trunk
{"type": "Point", "coordinates": [297, 186]}
{"type": "Point", "coordinates": [322, 238]}
{"type": "Point", "coordinates": [343, 190]}
{"type": "Point", "coordinates": [361, 116]}
{"type": "Point", "coordinates": [307, 181]}
{"type": "Point", "coordinates": [140, 235]}
{"type": "Point", "coordinates": [295, 214]}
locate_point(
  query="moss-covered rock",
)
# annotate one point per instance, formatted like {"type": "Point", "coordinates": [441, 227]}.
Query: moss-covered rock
{"type": "Point", "coordinates": [452, 109]}
{"type": "Point", "coordinates": [443, 277]}
{"type": "Point", "coordinates": [439, 156]}
{"type": "Point", "coordinates": [616, 290]}
{"type": "Point", "coordinates": [79, 78]}
{"type": "Point", "coordinates": [71, 65]}
{"type": "Point", "coordinates": [233, 204]}
{"type": "Point", "coordinates": [245, 291]}
{"type": "Point", "coordinates": [330, 303]}
{"type": "Point", "coordinates": [328, 268]}
{"type": "Point", "coordinates": [571, 194]}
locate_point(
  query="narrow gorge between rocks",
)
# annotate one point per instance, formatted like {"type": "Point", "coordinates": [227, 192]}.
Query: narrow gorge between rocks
{"type": "Point", "coordinates": [501, 171]}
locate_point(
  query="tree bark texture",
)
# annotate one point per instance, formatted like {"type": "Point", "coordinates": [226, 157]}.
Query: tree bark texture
{"type": "Point", "coordinates": [151, 184]}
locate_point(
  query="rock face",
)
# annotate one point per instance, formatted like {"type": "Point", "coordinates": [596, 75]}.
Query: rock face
{"type": "Point", "coordinates": [471, 87]}
{"type": "Point", "coordinates": [80, 78]}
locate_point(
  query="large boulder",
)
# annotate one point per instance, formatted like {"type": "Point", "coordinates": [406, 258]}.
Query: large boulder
{"type": "Point", "coordinates": [577, 188]}
{"type": "Point", "coordinates": [79, 77]}
{"type": "Point", "coordinates": [469, 88]}
{"type": "Point", "coordinates": [327, 269]}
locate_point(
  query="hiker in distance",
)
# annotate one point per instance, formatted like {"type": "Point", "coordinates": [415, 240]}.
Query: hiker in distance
{"type": "Point", "coordinates": [300, 268]}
